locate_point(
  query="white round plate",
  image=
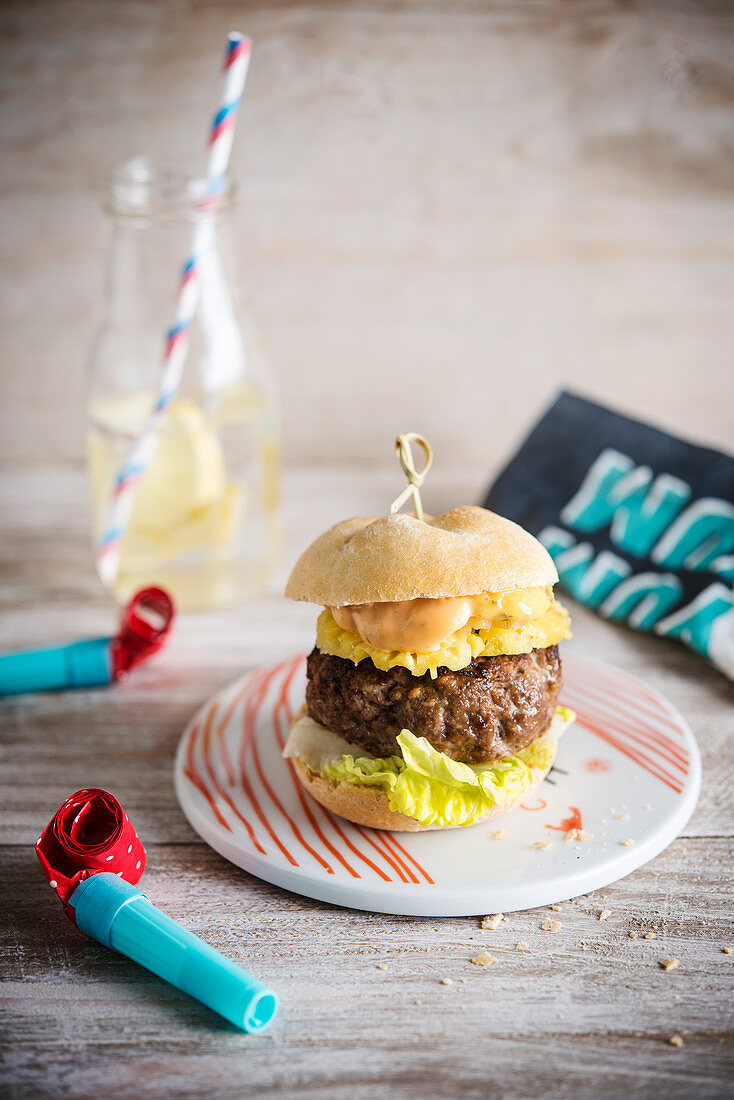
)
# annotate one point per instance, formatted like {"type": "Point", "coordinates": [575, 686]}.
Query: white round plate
{"type": "Point", "coordinates": [628, 773]}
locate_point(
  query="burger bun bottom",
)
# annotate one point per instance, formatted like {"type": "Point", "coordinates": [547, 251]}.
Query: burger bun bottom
{"type": "Point", "coordinates": [369, 806]}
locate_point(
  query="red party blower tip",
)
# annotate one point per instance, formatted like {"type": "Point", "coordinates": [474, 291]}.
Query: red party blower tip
{"type": "Point", "coordinates": [89, 833]}
{"type": "Point", "coordinates": [144, 626]}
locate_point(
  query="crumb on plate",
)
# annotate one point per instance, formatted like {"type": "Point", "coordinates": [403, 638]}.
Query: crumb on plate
{"type": "Point", "coordinates": [579, 834]}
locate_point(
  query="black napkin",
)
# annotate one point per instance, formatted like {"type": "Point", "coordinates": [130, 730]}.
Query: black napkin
{"type": "Point", "coordinates": [640, 524]}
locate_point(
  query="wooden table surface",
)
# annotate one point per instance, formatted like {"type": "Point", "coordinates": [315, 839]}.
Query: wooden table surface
{"type": "Point", "coordinates": [586, 1012]}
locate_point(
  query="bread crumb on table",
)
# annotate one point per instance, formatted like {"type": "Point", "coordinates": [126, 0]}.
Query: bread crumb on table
{"type": "Point", "coordinates": [633, 935]}
{"type": "Point", "coordinates": [668, 964]}
{"type": "Point", "coordinates": [501, 834]}
{"type": "Point", "coordinates": [541, 844]}
{"type": "Point", "coordinates": [381, 966]}
{"type": "Point", "coordinates": [649, 935]}
{"type": "Point", "coordinates": [551, 925]}
{"type": "Point", "coordinates": [555, 908]}
{"type": "Point", "coordinates": [419, 1001]}
{"type": "Point", "coordinates": [492, 921]}
{"type": "Point", "coordinates": [447, 981]}
{"type": "Point", "coordinates": [628, 843]}
{"type": "Point", "coordinates": [604, 914]}
{"type": "Point", "coordinates": [727, 950]}
{"type": "Point", "coordinates": [522, 946]}
{"type": "Point", "coordinates": [484, 960]}
{"type": "Point", "coordinates": [676, 1040]}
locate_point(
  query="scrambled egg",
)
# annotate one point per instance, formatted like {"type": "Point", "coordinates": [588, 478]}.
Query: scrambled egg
{"type": "Point", "coordinates": [457, 650]}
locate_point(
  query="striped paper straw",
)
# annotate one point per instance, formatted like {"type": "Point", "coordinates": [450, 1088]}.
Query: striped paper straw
{"type": "Point", "coordinates": [124, 488]}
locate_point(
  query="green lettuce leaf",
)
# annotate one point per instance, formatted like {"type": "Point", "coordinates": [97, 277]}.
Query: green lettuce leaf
{"type": "Point", "coordinates": [433, 789]}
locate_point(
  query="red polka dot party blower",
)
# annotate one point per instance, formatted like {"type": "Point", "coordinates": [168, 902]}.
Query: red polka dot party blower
{"type": "Point", "coordinates": [92, 857]}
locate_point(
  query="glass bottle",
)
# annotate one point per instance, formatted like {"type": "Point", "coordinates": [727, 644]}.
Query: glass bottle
{"type": "Point", "coordinates": [205, 522]}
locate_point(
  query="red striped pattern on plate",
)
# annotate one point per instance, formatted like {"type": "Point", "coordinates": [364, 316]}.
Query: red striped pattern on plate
{"type": "Point", "coordinates": [640, 725]}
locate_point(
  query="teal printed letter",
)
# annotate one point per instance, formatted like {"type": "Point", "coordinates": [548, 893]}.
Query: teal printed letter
{"type": "Point", "coordinates": [694, 623]}
{"type": "Point", "coordinates": [616, 492]}
{"type": "Point", "coordinates": [646, 510]}
{"type": "Point", "coordinates": [587, 579]}
{"type": "Point", "coordinates": [573, 564]}
{"type": "Point", "coordinates": [592, 506]}
{"type": "Point", "coordinates": [724, 566]}
{"type": "Point", "coordinates": [643, 599]}
{"type": "Point", "coordinates": [598, 580]}
{"type": "Point", "coordinates": [704, 532]}
{"type": "Point", "coordinates": [555, 540]}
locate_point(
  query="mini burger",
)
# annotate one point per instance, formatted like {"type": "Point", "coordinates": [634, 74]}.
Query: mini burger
{"type": "Point", "coordinates": [432, 690]}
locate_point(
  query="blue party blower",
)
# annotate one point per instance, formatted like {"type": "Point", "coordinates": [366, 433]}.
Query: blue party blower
{"type": "Point", "coordinates": [121, 917]}
{"type": "Point", "coordinates": [144, 628]}
{"type": "Point", "coordinates": [92, 856]}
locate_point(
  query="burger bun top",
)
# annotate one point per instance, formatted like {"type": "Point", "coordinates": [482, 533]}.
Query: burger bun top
{"type": "Point", "coordinates": [383, 560]}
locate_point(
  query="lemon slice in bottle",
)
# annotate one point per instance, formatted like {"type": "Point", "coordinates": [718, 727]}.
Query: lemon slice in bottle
{"type": "Point", "coordinates": [183, 498]}
{"type": "Point", "coordinates": [187, 473]}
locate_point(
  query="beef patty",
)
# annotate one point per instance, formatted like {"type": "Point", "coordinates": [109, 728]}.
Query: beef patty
{"type": "Point", "coordinates": [490, 709]}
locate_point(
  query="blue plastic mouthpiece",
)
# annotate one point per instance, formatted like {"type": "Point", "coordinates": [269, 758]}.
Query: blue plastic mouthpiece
{"type": "Point", "coordinates": [80, 664]}
{"type": "Point", "coordinates": [120, 916]}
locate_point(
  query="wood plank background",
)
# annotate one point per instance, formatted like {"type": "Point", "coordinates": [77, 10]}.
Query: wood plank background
{"type": "Point", "coordinates": [448, 209]}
